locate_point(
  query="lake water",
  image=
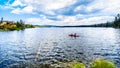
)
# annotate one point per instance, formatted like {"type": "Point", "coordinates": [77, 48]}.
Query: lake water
{"type": "Point", "coordinates": [51, 45]}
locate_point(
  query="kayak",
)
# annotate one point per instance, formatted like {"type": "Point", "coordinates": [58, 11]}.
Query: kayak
{"type": "Point", "coordinates": [73, 35]}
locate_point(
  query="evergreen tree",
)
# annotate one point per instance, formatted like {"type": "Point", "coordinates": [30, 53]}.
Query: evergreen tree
{"type": "Point", "coordinates": [22, 23]}
{"type": "Point", "coordinates": [118, 15]}
{"type": "Point", "coordinates": [1, 20]}
{"type": "Point", "coordinates": [116, 19]}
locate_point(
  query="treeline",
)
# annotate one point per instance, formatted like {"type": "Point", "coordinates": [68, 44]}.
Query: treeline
{"type": "Point", "coordinates": [21, 24]}
{"type": "Point", "coordinates": [108, 24]}
{"type": "Point", "coordinates": [10, 25]}
{"type": "Point", "coordinates": [115, 23]}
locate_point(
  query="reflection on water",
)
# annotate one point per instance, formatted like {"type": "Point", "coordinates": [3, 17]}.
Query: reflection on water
{"type": "Point", "coordinates": [51, 45]}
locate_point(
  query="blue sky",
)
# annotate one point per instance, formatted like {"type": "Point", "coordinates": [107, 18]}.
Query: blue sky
{"type": "Point", "coordinates": [60, 12]}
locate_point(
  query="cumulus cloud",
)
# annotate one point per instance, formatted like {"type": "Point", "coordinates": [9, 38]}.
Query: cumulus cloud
{"type": "Point", "coordinates": [16, 11]}
{"type": "Point", "coordinates": [79, 8]}
{"type": "Point", "coordinates": [113, 7]}
{"type": "Point", "coordinates": [97, 20]}
{"type": "Point", "coordinates": [67, 12]}
{"type": "Point", "coordinates": [70, 20]}
{"type": "Point", "coordinates": [105, 6]}
{"type": "Point", "coordinates": [40, 21]}
{"type": "Point", "coordinates": [45, 6]}
{"type": "Point", "coordinates": [28, 9]}
{"type": "Point", "coordinates": [17, 3]}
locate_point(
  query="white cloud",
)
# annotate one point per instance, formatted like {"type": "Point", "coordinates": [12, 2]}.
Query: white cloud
{"type": "Point", "coordinates": [57, 4]}
{"type": "Point", "coordinates": [97, 4]}
{"type": "Point", "coordinates": [105, 8]}
{"type": "Point", "coordinates": [87, 21]}
{"type": "Point", "coordinates": [16, 11]}
{"type": "Point", "coordinates": [113, 7]}
{"type": "Point", "coordinates": [33, 20]}
{"type": "Point", "coordinates": [79, 8]}
{"type": "Point", "coordinates": [28, 9]}
{"type": "Point", "coordinates": [17, 3]}
{"type": "Point", "coordinates": [46, 6]}
{"type": "Point", "coordinates": [70, 20]}
{"type": "Point", "coordinates": [39, 21]}
{"type": "Point", "coordinates": [97, 20]}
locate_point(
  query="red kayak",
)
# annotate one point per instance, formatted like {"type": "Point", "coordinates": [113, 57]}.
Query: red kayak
{"type": "Point", "coordinates": [73, 35]}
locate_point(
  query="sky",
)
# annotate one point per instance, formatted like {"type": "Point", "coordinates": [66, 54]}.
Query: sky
{"type": "Point", "coordinates": [60, 12]}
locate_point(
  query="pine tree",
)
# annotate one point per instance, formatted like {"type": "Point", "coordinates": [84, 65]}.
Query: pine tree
{"type": "Point", "coordinates": [1, 20]}
{"type": "Point", "coordinates": [116, 19]}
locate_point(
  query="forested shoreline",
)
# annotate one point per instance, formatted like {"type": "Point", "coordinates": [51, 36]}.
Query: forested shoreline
{"type": "Point", "coordinates": [11, 25]}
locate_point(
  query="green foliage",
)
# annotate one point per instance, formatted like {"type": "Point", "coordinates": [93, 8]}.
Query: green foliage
{"type": "Point", "coordinates": [78, 65]}
{"type": "Point", "coordinates": [29, 26]}
{"type": "Point", "coordinates": [20, 25]}
{"type": "Point", "coordinates": [9, 26]}
{"type": "Point", "coordinates": [116, 22]}
{"type": "Point", "coordinates": [100, 63]}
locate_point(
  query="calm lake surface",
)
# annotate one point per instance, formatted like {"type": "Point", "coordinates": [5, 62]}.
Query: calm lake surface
{"type": "Point", "coordinates": [50, 45]}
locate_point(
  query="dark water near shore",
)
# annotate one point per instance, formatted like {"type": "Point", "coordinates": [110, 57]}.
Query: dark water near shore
{"type": "Point", "coordinates": [50, 45]}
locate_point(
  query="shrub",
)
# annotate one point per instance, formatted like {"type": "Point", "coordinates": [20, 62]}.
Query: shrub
{"type": "Point", "coordinates": [78, 65]}
{"type": "Point", "coordinates": [100, 63]}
